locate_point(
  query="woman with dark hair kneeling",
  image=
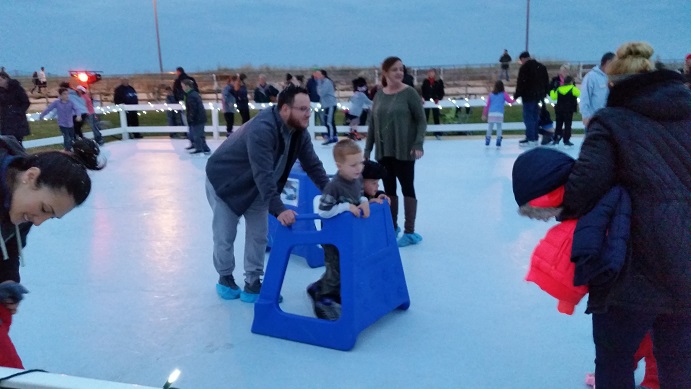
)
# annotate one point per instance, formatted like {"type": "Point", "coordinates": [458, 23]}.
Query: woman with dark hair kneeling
{"type": "Point", "coordinates": [34, 188]}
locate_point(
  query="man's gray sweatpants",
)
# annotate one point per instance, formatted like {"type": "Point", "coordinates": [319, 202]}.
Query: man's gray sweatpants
{"type": "Point", "coordinates": [225, 227]}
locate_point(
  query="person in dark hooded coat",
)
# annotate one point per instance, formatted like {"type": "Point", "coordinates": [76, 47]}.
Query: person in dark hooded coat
{"type": "Point", "coordinates": [641, 141]}
{"type": "Point", "coordinates": [14, 103]}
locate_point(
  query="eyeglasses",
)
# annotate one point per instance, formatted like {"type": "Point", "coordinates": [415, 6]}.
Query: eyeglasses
{"type": "Point", "coordinates": [301, 109]}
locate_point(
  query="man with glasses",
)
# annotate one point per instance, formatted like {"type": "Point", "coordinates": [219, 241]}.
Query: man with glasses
{"type": "Point", "coordinates": [245, 177]}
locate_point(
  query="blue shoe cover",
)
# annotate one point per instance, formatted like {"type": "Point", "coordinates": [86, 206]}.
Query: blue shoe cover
{"type": "Point", "coordinates": [227, 293]}
{"type": "Point", "coordinates": [252, 297]}
{"type": "Point", "coordinates": [398, 230]}
{"type": "Point", "coordinates": [409, 239]}
{"type": "Point", "coordinates": [248, 297]}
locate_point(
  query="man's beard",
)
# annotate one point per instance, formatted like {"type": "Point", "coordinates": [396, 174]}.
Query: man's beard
{"type": "Point", "coordinates": [294, 123]}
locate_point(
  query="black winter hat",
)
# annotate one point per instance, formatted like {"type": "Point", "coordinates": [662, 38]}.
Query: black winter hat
{"type": "Point", "coordinates": [373, 171]}
{"type": "Point", "coordinates": [538, 172]}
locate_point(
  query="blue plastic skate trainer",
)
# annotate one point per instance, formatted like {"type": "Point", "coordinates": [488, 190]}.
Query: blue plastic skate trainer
{"type": "Point", "coordinates": [372, 279]}
{"type": "Point", "coordinates": [298, 195]}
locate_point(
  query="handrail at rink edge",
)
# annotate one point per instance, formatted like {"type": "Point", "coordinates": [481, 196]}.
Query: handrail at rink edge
{"type": "Point", "coordinates": [215, 128]}
{"type": "Point", "coordinates": [41, 380]}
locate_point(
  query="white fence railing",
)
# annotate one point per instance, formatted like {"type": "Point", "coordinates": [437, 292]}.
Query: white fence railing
{"type": "Point", "coordinates": [216, 128]}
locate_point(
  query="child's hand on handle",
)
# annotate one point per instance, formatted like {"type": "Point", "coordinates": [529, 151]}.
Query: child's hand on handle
{"type": "Point", "coordinates": [380, 199]}
{"type": "Point", "coordinates": [78, 118]}
{"type": "Point", "coordinates": [484, 118]}
{"type": "Point", "coordinates": [355, 210]}
{"type": "Point", "coordinates": [364, 206]}
{"type": "Point", "coordinates": [287, 217]}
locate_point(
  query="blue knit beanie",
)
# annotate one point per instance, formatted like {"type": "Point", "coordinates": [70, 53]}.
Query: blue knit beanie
{"type": "Point", "coordinates": [538, 172]}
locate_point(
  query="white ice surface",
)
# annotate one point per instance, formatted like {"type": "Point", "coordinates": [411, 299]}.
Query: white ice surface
{"type": "Point", "coordinates": [123, 287]}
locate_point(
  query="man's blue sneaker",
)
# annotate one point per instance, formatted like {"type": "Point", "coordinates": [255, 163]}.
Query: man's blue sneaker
{"type": "Point", "coordinates": [409, 239]}
{"type": "Point", "coordinates": [227, 289]}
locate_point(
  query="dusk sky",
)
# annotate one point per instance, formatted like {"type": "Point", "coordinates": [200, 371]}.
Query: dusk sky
{"type": "Point", "coordinates": [119, 37]}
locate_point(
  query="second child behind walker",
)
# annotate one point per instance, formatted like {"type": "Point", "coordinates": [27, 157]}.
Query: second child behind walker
{"type": "Point", "coordinates": [371, 174]}
{"type": "Point", "coordinates": [342, 194]}
{"type": "Point", "coordinates": [494, 111]}
{"type": "Point", "coordinates": [65, 110]}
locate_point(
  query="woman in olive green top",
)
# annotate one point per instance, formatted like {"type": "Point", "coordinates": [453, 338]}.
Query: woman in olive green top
{"type": "Point", "coordinates": [397, 128]}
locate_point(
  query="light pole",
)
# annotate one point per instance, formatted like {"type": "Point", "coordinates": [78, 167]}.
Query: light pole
{"type": "Point", "coordinates": [158, 41]}
{"type": "Point", "coordinates": [527, 25]}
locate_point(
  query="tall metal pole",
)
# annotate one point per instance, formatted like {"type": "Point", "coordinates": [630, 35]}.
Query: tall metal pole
{"type": "Point", "coordinates": [527, 25]}
{"type": "Point", "coordinates": [158, 41]}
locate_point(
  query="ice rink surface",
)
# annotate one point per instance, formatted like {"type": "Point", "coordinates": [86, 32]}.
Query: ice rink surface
{"type": "Point", "coordinates": [122, 288]}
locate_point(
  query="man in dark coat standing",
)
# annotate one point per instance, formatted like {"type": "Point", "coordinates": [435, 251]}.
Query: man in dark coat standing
{"type": "Point", "coordinates": [14, 103]}
{"type": "Point", "coordinates": [264, 92]}
{"type": "Point", "coordinates": [314, 97]}
{"type": "Point", "coordinates": [126, 94]}
{"type": "Point", "coordinates": [178, 91]}
{"type": "Point", "coordinates": [196, 117]}
{"type": "Point", "coordinates": [532, 86]}
{"type": "Point", "coordinates": [505, 61]}
{"type": "Point", "coordinates": [432, 90]}
{"type": "Point", "coordinates": [407, 78]}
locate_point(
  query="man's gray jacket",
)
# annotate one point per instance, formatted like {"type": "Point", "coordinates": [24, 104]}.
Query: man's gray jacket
{"type": "Point", "coordinates": [256, 160]}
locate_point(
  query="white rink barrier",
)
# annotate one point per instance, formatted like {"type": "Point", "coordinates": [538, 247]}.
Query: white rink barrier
{"type": "Point", "coordinates": [41, 380]}
{"type": "Point", "coordinates": [216, 128]}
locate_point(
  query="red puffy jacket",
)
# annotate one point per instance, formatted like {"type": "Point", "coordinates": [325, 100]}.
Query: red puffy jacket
{"type": "Point", "coordinates": [551, 267]}
{"type": "Point", "coordinates": [8, 354]}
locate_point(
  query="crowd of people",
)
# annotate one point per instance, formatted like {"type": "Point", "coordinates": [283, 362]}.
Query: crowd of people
{"type": "Point", "coordinates": [623, 204]}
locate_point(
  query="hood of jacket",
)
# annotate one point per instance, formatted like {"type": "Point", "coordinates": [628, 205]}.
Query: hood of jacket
{"type": "Point", "coordinates": [660, 95]}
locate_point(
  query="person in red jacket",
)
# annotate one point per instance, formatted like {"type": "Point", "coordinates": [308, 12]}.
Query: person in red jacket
{"type": "Point", "coordinates": [11, 293]}
{"type": "Point", "coordinates": [539, 176]}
